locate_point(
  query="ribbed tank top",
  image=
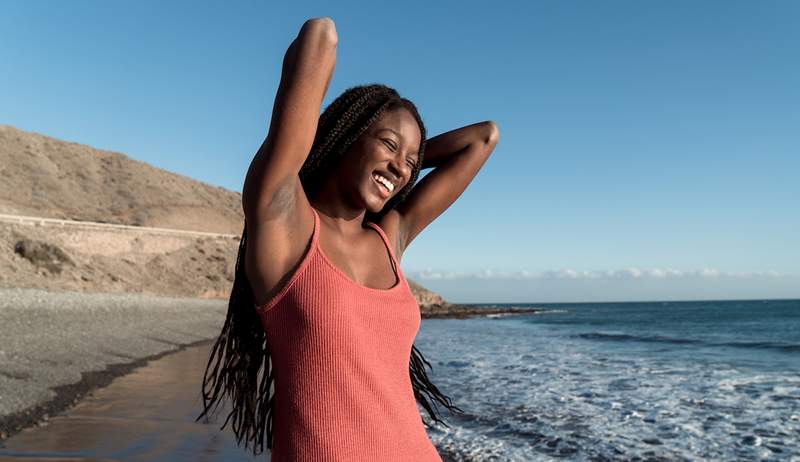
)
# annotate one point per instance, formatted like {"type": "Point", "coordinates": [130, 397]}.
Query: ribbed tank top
{"type": "Point", "coordinates": [340, 353]}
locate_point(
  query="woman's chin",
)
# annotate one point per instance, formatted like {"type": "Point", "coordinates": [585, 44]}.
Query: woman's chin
{"type": "Point", "coordinates": [374, 202]}
{"type": "Point", "coordinates": [375, 206]}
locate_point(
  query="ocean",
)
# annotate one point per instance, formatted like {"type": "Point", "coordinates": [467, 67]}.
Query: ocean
{"type": "Point", "coordinates": [695, 380]}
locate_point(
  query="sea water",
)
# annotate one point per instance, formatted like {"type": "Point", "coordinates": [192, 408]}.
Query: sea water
{"type": "Point", "coordinates": [710, 380]}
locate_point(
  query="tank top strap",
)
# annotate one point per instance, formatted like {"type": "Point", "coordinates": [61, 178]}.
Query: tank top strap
{"type": "Point", "coordinates": [388, 246]}
{"type": "Point", "coordinates": [316, 224]}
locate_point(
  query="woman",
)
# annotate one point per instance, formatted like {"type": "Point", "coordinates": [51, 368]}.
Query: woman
{"type": "Point", "coordinates": [319, 303]}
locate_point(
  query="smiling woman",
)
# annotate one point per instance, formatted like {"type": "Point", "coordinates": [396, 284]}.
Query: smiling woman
{"type": "Point", "coordinates": [319, 304]}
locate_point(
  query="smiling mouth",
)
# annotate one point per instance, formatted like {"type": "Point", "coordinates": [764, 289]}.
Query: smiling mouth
{"type": "Point", "coordinates": [382, 190]}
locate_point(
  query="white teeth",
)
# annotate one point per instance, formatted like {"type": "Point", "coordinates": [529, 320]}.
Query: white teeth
{"type": "Point", "coordinates": [385, 182]}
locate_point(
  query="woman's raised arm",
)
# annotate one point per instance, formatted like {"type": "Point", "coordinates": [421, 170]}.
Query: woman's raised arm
{"type": "Point", "coordinates": [307, 70]}
{"type": "Point", "coordinates": [456, 157]}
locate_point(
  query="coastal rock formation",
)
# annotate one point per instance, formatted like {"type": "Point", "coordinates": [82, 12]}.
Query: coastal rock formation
{"type": "Point", "coordinates": [425, 297]}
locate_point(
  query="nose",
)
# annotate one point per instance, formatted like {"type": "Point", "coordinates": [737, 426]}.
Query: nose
{"type": "Point", "coordinates": [399, 172]}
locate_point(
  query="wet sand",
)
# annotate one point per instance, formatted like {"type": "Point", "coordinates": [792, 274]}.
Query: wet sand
{"type": "Point", "coordinates": [56, 346]}
{"type": "Point", "coordinates": [59, 346]}
{"type": "Point", "coordinates": [147, 415]}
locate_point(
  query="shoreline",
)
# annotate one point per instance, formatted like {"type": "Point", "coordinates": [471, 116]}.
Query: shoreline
{"type": "Point", "coordinates": [455, 311]}
{"type": "Point", "coordinates": [98, 337]}
{"type": "Point", "coordinates": [69, 395]}
{"type": "Point", "coordinates": [128, 418]}
{"type": "Point", "coordinates": [59, 346]}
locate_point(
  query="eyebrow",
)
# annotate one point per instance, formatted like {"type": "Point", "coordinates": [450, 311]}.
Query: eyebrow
{"type": "Point", "coordinates": [399, 136]}
{"type": "Point", "coordinates": [393, 131]}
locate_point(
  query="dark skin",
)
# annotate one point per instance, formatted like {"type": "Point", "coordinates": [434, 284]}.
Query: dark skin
{"type": "Point", "coordinates": [278, 212]}
{"type": "Point", "coordinates": [389, 147]}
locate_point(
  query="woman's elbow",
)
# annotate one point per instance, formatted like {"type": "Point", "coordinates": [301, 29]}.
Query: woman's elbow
{"type": "Point", "coordinates": [492, 132]}
{"type": "Point", "coordinates": [323, 27]}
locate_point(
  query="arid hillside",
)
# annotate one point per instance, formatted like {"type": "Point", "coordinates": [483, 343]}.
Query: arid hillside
{"type": "Point", "coordinates": [46, 177]}
{"type": "Point", "coordinates": [43, 176]}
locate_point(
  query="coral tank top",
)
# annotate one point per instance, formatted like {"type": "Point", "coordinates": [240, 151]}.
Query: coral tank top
{"type": "Point", "coordinates": [340, 355]}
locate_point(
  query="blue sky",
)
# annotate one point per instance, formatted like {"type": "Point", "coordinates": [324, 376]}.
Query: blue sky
{"type": "Point", "coordinates": [649, 150]}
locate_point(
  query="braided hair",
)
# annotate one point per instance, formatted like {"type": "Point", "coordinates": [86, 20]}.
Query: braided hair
{"type": "Point", "coordinates": [241, 350]}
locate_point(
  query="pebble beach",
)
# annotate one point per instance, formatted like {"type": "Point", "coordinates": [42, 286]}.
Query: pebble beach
{"type": "Point", "coordinates": [57, 345]}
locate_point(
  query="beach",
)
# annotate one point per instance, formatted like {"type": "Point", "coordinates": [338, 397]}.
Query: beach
{"type": "Point", "coordinates": [146, 415]}
{"type": "Point", "coordinates": [64, 352]}
{"type": "Point", "coordinates": [591, 205]}
{"type": "Point", "coordinates": [57, 345]}
{"type": "Point", "coordinates": [596, 381]}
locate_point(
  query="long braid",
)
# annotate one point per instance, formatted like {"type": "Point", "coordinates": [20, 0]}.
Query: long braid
{"type": "Point", "coordinates": [240, 365]}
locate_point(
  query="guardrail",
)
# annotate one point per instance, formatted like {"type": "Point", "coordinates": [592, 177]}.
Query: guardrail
{"type": "Point", "coordinates": [42, 221]}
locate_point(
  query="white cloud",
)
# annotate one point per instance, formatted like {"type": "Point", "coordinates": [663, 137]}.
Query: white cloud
{"type": "Point", "coordinates": [570, 273]}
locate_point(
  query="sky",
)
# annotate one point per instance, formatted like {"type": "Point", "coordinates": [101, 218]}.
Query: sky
{"type": "Point", "coordinates": [648, 150]}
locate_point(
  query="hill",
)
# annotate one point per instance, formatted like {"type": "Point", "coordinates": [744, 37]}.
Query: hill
{"type": "Point", "coordinates": [46, 177]}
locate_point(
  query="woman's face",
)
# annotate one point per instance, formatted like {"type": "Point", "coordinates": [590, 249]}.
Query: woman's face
{"type": "Point", "coordinates": [388, 149]}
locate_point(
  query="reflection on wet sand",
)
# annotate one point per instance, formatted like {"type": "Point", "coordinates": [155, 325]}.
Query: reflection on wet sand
{"type": "Point", "coordinates": [147, 415]}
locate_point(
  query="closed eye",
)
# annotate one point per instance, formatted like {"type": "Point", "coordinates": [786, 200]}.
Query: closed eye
{"type": "Point", "coordinates": [392, 146]}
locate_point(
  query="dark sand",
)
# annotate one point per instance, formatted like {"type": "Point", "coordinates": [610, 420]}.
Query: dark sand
{"type": "Point", "coordinates": [146, 415]}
